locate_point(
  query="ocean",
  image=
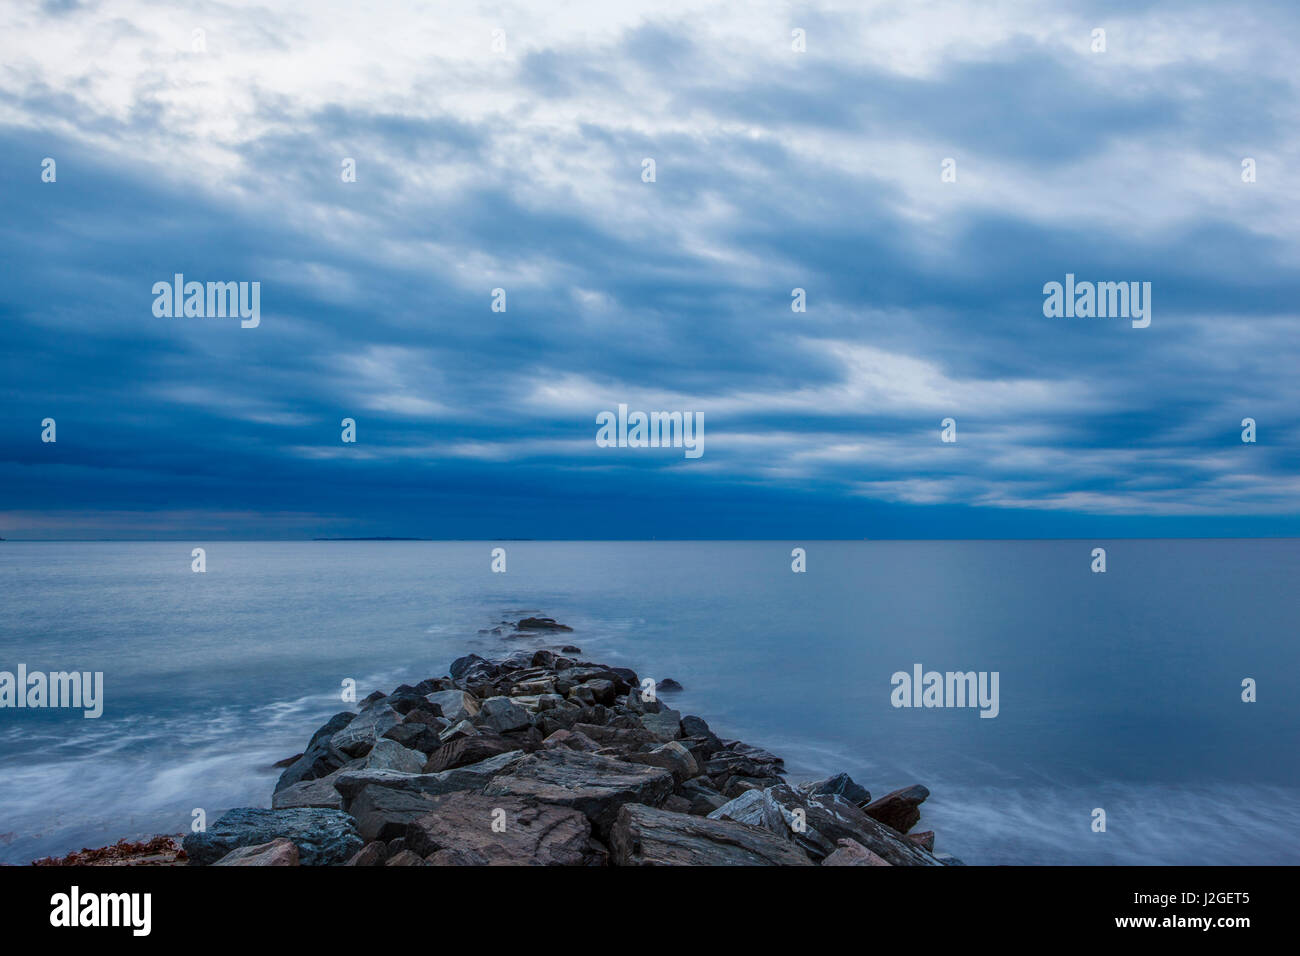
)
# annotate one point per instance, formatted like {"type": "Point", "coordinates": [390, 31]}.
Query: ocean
{"type": "Point", "coordinates": [1120, 691]}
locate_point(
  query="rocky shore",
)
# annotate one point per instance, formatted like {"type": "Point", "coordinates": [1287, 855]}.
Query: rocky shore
{"type": "Point", "coordinates": [543, 758]}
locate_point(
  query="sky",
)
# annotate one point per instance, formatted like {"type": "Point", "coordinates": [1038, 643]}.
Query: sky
{"type": "Point", "coordinates": [503, 146]}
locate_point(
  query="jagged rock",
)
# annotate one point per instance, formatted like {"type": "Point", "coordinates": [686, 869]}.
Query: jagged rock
{"type": "Point", "coordinates": [899, 808]}
{"type": "Point", "coordinates": [693, 726]}
{"type": "Point", "coordinates": [541, 624]}
{"type": "Point", "coordinates": [471, 662]}
{"type": "Point", "coordinates": [405, 858]}
{"type": "Point", "coordinates": [309, 793]}
{"type": "Point", "coordinates": [571, 740]}
{"type": "Point", "coordinates": [382, 813]}
{"type": "Point", "coordinates": [646, 836]}
{"type": "Point", "coordinates": [388, 754]}
{"type": "Point", "coordinates": [673, 757]}
{"type": "Point", "coordinates": [666, 724]}
{"type": "Point", "coordinates": [278, 852]}
{"type": "Point", "coordinates": [322, 836]}
{"type": "Point", "coordinates": [455, 705]}
{"type": "Point", "coordinates": [458, 730]}
{"type": "Point", "coordinates": [703, 798]}
{"type": "Point", "coordinates": [924, 840]}
{"type": "Point", "coordinates": [502, 715]}
{"type": "Point", "coordinates": [468, 750]}
{"type": "Point", "coordinates": [418, 736]}
{"type": "Point", "coordinates": [595, 785]}
{"type": "Point", "coordinates": [372, 854]}
{"type": "Point", "coordinates": [320, 759]}
{"type": "Point", "coordinates": [826, 818]}
{"type": "Point", "coordinates": [852, 853]}
{"type": "Point", "coordinates": [842, 784]}
{"type": "Point", "coordinates": [470, 777]}
{"type": "Point", "coordinates": [360, 735]}
{"type": "Point", "coordinates": [535, 833]}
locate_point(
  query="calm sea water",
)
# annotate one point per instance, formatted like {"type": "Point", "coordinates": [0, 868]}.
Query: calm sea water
{"type": "Point", "coordinates": [1117, 690]}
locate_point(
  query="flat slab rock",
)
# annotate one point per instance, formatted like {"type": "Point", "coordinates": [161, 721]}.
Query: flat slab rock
{"type": "Point", "coordinates": [471, 777]}
{"type": "Point", "coordinates": [323, 837]}
{"type": "Point", "coordinates": [646, 836]}
{"type": "Point", "coordinates": [529, 833]}
{"type": "Point", "coordinates": [593, 784]}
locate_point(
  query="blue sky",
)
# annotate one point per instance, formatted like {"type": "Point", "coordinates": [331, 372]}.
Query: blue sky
{"type": "Point", "coordinates": [482, 168]}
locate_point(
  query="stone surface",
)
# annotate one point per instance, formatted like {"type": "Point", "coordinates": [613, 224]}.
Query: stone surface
{"type": "Point", "coordinates": [279, 852]}
{"type": "Point", "coordinates": [826, 819]}
{"type": "Point", "coordinates": [321, 836]}
{"type": "Point", "coordinates": [309, 793]}
{"type": "Point", "coordinates": [842, 784]}
{"type": "Point", "coordinates": [852, 853]}
{"type": "Point", "coordinates": [534, 833]}
{"type": "Point", "coordinates": [673, 757]}
{"type": "Point", "coordinates": [595, 785]}
{"type": "Point", "coordinates": [382, 813]}
{"type": "Point", "coordinates": [646, 836]}
{"type": "Point", "coordinates": [468, 750]}
{"type": "Point", "coordinates": [388, 754]}
{"type": "Point", "coordinates": [899, 809]}
{"type": "Point", "coordinates": [470, 777]}
{"type": "Point", "coordinates": [360, 735]}
{"type": "Point", "coordinates": [455, 705]}
{"type": "Point", "coordinates": [502, 715]}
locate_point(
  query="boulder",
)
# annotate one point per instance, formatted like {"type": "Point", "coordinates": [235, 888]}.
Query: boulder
{"type": "Point", "coordinates": [388, 754]}
{"type": "Point", "coordinates": [470, 777]}
{"type": "Point", "coordinates": [529, 832]}
{"type": "Point", "coordinates": [472, 663]}
{"type": "Point", "coordinates": [468, 750]}
{"type": "Point", "coordinates": [666, 724]}
{"type": "Point", "coordinates": [673, 757]}
{"type": "Point", "coordinates": [319, 760]}
{"type": "Point", "coordinates": [841, 784]}
{"type": "Point", "coordinates": [309, 793]}
{"type": "Point", "coordinates": [360, 735]}
{"type": "Point", "coordinates": [852, 853]}
{"type": "Point", "coordinates": [454, 705]}
{"type": "Point", "coordinates": [703, 798]}
{"type": "Point", "coordinates": [322, 836]}
{"type": "Point", "coordinates": [502, 715]}
{"type": "Point", "coordinates": [647, 836]}
{"type": "Point", "coordinates": [818, 822]}
{"type": "Point", "coordinates": [571, 740]}
{"type": "Point", "coordinates": [541, 624]}
{"type": "Point", "coordinates": [382, 813]}
{"type": "Point", "coordinates": [405, 858]}
{"type": "Point", "coordinates": [924, 840]}
{"type": "Point", "coordinates": [279, 852]}
{"type": "Point", "coordinates": [595, 785]}
{"type": "Point", "coordinates": [372, 854]}
{"type": "Point", "coordinates": [899, 808]}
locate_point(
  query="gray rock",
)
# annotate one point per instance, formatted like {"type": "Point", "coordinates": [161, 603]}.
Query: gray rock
{"type": "Point", "coordinates": [456, 705]}
{"type": "Point", "coordinates": [818, 822]}
{"type": "Point", "coordinates": [360, 735]}
{"type": "Point", "coordinates": [382, 813]}
{"type": "Point", "coordinates": [852, 853]}
{"type": "Point", "coordinates": [899, 809]}
{"type": "Point", "coordinates": [472, 777]}
{"type": "Point", "coordinates": [388, 754]}
{"type": "Point", "coordinates": [646, 836]}
{"type": "Point", "coordinates": [322, 836]}
{"type": "Point", "coordinates": [279, 852]}
{"type": "Point", "coordinates": [534, 834]}
{"type": "Point", "coordinates": [309, 793]}
{"type": "Point", "coordinates": [842, 784]}
{"type": "Point", "coordinates": [666, 724]}
{"type": "Point", "coordinates": [673, 757]}
{"type": "Point", "coordinates": [595, 785]}
{"type": "Point", "coordinates": [502, 715]}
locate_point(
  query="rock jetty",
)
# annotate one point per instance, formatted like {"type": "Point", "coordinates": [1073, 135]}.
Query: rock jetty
{"type": "Point", "coordinates": [545, 759]}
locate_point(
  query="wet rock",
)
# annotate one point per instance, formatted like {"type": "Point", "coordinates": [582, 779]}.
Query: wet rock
{"type": "Point", "coordinates": [322, 836]}
{"type": "Point", "coordinates": [309, 793]}
{"type": "Point", "coordinates": [541, 624]}
{"type": "Point", "coordinates": [279, 852]}
{"type": "Point", "coordinates": [899, 808]}
{"type": "Point", "coordinates": [468, 750]}
{"type": "Point", "coordinates": [817, 822]}
{"type": "Point", "coordinates": [472, 664]}
{"type": "Point", "coordinates": [470, 777]}
{"type": "Point", "coordinates": [852, 853]}
{"type": "Point", "coordinates": [502, 715]}
{"type": "Point", "coordinates": [673, 757]}
{"type": "Point", "coordinates": [360, 735]}
{"type": "Point", "coordinates": [454, 705]}
{"type": "Point", "coordinates": [529, 832]}
{"type": "Point", "coordinates": [388, 754]}
{"type": "Point", "coordinates": [841, 784]}
{"type": "Point", "coordinates": [646, 836]}
{"type": "Point", "coordinates": [668, 685]}
{"type": "Point", "coordinates": [382, 813]}
{"type": "Point", "coordinates": [595, 785]}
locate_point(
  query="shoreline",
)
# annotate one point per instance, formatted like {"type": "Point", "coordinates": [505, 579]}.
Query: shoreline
{"type": "Point", "coordinates": [541, 758]}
